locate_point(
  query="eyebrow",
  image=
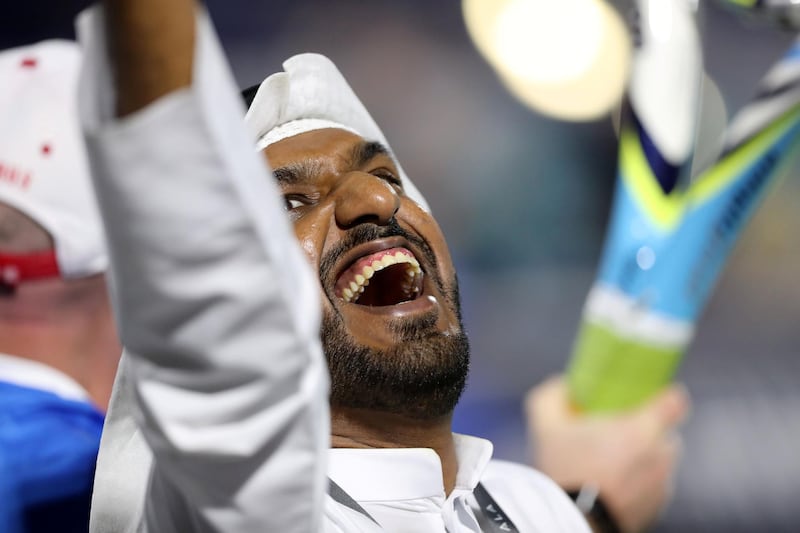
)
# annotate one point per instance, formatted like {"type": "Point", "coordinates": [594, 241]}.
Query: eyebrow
{"type": "Point", "coordinates": [292, 173]}
{"type": "Point", "coordinates": [299, 171]}
{"type": "Point", "coordinates": [364, 152]}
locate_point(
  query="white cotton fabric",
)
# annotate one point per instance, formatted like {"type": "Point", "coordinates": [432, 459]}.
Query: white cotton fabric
{"type": "Point", "coordinates": [402, 491]}
{"type": "Point", "coordinates": [219, 419]}
{"type": "Point", "coordinates": [43, 168]}
{"type": "Point", "coordinates": [311, 87]}
{"type": "Point", "coordinates": [33, 374]}
{"type": "Point", "coordinates": [296, 127]}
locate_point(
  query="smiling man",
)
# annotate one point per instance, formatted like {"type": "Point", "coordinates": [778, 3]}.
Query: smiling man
{"type": "Point", "coordinates": [391, 327]}
{"type": "Point", "coordinates": [221, 419]}
{"type": "Point", "coordinates": [391, 330]}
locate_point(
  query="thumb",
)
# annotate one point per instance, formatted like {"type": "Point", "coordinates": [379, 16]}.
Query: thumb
{"type": "Point", "coordinates": [548, 400]}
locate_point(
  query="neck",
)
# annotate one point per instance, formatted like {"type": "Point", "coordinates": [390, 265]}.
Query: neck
{"type": "Point", "coordinates": [79, 339]}
{"type": "Point", "coordinates": [365, 428]}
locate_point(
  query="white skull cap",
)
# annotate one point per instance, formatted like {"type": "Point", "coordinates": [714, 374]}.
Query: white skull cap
{"type": "Point", "coordinates": [312, 94]}
{"type": "Point", "coordinates": [44, 170]}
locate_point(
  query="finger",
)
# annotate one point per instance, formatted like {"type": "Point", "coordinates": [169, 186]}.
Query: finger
{"type": "Point", "coordinates": [662, 414]}
{"type": "Point", "coordinates": [547, 401]}
{"type": "Point", "coordinates": [637, 493]}
{"type": "Point", "coordinates": [665, 465]}
{"type": "Point", "coordinates": [671, 406]}
{"type": "Point", "coordinates": [659, 463]}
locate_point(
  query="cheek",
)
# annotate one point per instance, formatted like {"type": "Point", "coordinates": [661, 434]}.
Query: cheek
{"type": "Point", "coordinates": [426, 227]}
{"type": "Point", "coordinates": [310, 248]}
{"type": "Point", "coordinates": [313, 252]}
{"type": "Point", "coordinates": [440, 248]}
{"type": "Point", "coordinates": [311, 231]}
{"type": "Point", "coordinates": [312, 234]}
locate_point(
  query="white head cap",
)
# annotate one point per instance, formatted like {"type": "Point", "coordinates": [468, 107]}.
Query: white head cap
{"type": "Point", "coordinates": [44, 170]}
{"type": "Point", "coordinates": [312, 94]}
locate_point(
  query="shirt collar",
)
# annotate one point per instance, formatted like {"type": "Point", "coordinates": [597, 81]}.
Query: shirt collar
{"type": "Point", "coordinates": [473, 455]}
{"type": "Point", "coordinates": [28, 373]}
{"type": "Point", "coordinates": [389, 474]}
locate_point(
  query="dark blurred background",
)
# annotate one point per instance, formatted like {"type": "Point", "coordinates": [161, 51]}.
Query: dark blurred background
{"type": "Point", "coordinates": [523, 201]}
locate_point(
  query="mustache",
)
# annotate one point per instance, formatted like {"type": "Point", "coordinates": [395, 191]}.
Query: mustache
{"type": "Point", "coordinates": [368, 232]}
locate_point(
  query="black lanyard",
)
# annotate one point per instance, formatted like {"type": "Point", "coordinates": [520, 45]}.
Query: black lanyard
{"type": "Point", "coordinates": [492, 512]}
{"type": "Point", "coordinates": [338, 493]}
{"type": "Point", "coordinates": [495, 517]}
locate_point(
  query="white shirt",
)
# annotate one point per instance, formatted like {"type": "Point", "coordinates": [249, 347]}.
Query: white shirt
{"type": "Point", "coordinates": [219, 419]}
{"type": "Point", "coordinates": [403, 491]}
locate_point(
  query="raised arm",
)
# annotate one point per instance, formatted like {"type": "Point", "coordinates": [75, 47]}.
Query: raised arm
{"type": "Point", "coordinates": [152, 48]}
{"type": "Point", "coordinates": [219, 420]}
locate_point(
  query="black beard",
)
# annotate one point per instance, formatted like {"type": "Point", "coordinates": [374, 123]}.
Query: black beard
{"type": "Point", "coordinates": [421, 377]}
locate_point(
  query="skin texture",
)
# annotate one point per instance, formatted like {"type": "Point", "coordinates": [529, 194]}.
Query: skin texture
{"type": "Point", "coordinates": [20, 234]}
{"type": "Point", "coordinates": [64, 324]}
{"type": "Point", "coordinates": [331, 196]}
{"type": "Point", "coordinates": [629, 457]}
{"type": "Point", "coordinates": [152, 47]}
{"type": "Point", "coordinates": [336, 198]}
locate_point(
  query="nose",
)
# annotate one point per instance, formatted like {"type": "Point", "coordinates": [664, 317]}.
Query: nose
{"type": "Point", "coordinates": [362, 198]}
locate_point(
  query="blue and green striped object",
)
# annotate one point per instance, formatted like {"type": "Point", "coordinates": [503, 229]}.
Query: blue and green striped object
{"type": "Point", "coordinates": [668, 240]}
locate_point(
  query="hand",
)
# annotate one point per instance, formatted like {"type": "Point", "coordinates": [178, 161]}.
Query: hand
{"type": "Point", "coordinates": [630, 457]}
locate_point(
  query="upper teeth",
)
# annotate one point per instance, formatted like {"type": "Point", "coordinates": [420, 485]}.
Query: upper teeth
{"type": "Point", "coordinates": [361, 280]}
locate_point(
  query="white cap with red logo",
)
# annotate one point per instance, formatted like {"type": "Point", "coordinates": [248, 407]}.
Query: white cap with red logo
{"type": "Point", "coordinates": [44, 171]}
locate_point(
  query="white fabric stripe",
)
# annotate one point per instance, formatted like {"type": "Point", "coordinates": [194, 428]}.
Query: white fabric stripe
{"type": "Point", "coordinates": [296, 127]}
{"type": "Point", "coordinates": [781, 73]}
{"type": "Point", "coordinates": [614, 309]}
{"type": "Point", "coordinates": [757, 116]}
{"type": "Point", "coordinates": [29, 373]}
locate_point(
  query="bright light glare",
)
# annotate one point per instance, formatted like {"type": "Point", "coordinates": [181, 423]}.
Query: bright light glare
{"type": "Point", "coordinates": [548, 41]}
{"type": "Point", "coordinates": [565, 58]}
{"type": "Point", "coordinates": [480, 17]}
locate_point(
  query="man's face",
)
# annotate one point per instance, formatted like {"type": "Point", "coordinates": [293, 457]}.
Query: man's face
{"type": "Point", "coordinates": [391, 328]}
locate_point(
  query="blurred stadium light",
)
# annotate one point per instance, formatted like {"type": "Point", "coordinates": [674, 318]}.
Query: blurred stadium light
{"type": "Point", "coordinates": [568, 59]}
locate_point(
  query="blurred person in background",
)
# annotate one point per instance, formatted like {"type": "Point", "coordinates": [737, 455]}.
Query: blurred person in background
{"type": "Point", "coordinates": [220, 419]}
{"type": "Point", "coordinates": [58, 344]}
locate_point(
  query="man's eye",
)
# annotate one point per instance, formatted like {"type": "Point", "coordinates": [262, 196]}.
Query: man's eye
{"type": "Point", "coordinates": [390, 178]}
{"type": "Point", "coordinates": [293, 202]}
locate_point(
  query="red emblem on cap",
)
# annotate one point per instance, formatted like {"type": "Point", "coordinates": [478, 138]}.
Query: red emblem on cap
{"type": "Point", "coordinates": [28, 62]}
{"type": "Point", "coordinates": [46, 149]}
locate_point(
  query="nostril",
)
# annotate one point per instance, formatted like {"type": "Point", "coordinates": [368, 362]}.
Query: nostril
{"type": "Point", "coordinates": [364, 198]}
{"type": "Point", "coordinates": [367, 219]}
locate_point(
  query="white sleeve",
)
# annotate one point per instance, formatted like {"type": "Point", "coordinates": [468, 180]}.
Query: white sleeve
{"type": "Point", "coordinates": [216, 304]}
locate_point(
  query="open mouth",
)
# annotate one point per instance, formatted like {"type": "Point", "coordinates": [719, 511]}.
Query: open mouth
{"type": "Point", "coordinates": [388, 277]}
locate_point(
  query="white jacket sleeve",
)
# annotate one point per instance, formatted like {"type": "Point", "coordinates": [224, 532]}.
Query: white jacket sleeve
{"type": "Point", "coordinates": [217, 307]}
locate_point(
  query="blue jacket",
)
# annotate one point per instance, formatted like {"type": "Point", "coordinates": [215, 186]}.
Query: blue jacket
{"type": "Point", "coordinates": [48, 449]}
